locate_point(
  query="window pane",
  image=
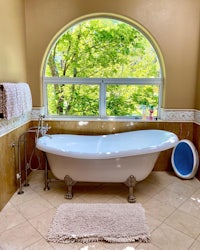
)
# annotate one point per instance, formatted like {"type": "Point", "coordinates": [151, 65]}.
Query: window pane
{"type": "Point", "coordinates": [132, 100]}
{"type": "Point", "coordinates": [73, 99]}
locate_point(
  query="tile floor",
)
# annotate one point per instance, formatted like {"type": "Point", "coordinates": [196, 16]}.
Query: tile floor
{"type": "Point", "coordinates": [172, 210]}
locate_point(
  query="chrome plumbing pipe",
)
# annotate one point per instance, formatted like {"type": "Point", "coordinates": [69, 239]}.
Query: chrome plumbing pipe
{"type": "Point", "coordinates": [40, 129]}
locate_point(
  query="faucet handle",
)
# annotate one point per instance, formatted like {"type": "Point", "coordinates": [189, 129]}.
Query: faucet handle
{"type": "Point", "coordinates": [41, 116]}
{"type": "Point", "coordinates": [48, 127]}
{"type": "Point", "coordinates": [44, 129]}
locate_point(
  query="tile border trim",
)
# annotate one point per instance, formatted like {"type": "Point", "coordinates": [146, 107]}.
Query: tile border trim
{"type": "Point", "coordinates": [197, 117]}
{"type": "Point", "coordinates": [36, 111]}
{"type": "Point", "coordinates": [170, 115]}
{"type": "Point", "coordinates": [7, 126]}
{"type": "Point", "coordinates": [181, 115]}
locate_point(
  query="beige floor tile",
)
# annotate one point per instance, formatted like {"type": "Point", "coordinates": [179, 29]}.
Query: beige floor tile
{"type": "Point", "coordinates": [94, 246]}
{"type": "Point", "coordinates": [19, 237]}
{"type": "Point", "coordinates": [192, 205]}
{"type": "Point", "coordinates": [196, 194]}
{"type": "Point", "coordinates": [142, 197]}
{"type": "Point", "coordinates": [113, 188]}
{"type": "Point", "coordinates": [42, 222]}
{"type": "Point", "coordinates": [56, 195]}
{"type": "Point", "coordinates": [159, 210]}
{"type": "Point", "coordinates": [56, 199]}
{"type": "Point", "coordinates": [40, 245]}
{"type": "Point", "coordinates": [147, 246]}
{"type": "Point", "coordinates": [66, 246]}
{"type": "Point", "coordinates": [152, 222]}
{"type": "Point", "coordinates": [123, 198]}
{"type": "Point", "coordinates": [160, 194]}
{"type": "Point", "coordinates": [181, 188]}
{"type": "Point", "coordinates": [119, 190]}
{"type": "Point", "coordinates": [170, 198]}
{"type": "Point", "coordinates": [36, 176]}
{"type": "Point", "coordinates": [96, 197]}
{"type": "Point", "coordinates": [28, 195]}
{"type": "Point", "coordinates": [161, 178]}
{"type": "Point", "coordinates": [194, 183]}
{"type": "Point", "coordinates": [148, 188]}
{"type": "Point", "coordinates": [168, 238]}
{"type": "Point", "coordinates": [195, 245]}
{"type": "Point", "coordinates": [53, 187]}
{"type": "Point", "coordinates": [38, 187]}
{"type": "Point", "coordinates": [120, 246]}
{"type": "Point", "coordinates": [34, 207]}
{"type": "Point", "coordinates": [79, 246]}
{"type": "Point", "coordinates": [117, 199]}
{"type": "Point", "coordinates": [185, 223]}
{"type": "Point", "coordinates": [36, 180]}
{"type": "Point", "coordinates": [9, 218]}
{"type": "Point", "coordinates": [103, 193]}
{"type": "Point", "coordinates": [198, 238]}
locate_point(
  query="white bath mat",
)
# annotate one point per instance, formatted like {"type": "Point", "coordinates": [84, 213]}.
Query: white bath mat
{"type": "Point", "coordinates": [99, 222]}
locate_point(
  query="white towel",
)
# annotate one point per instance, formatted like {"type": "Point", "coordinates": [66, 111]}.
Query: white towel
{"type": "Point", "coordinates": [16, 100]}
{"type": "Point", "coordinates": [25, 93]}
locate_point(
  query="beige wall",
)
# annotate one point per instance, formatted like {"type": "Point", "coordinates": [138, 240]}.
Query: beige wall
{"type": "Point", "coordinates": [12, 69]}
{"type": "Point", "coordinates": [197, 101]}
{"type": "Point", "coordinates": [12, 42]}
{"type": "Point", "coordinates": [173, 24]}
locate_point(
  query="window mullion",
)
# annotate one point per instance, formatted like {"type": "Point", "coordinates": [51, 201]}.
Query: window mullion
{"type": "Point", "coordinates": [102, 99]}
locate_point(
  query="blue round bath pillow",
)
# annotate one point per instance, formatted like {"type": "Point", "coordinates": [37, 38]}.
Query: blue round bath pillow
{"type": "Point", "coordinates": [185, 159]}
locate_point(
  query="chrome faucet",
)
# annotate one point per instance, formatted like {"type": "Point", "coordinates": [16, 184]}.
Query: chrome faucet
{"type": "Point", "coordinates": [42, 128]}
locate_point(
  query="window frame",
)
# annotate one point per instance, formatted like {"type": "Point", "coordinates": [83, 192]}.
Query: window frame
{"type": "Point", "coordinates": [132, 81]}
{"type": "Point", "coordinates": [102, 82]}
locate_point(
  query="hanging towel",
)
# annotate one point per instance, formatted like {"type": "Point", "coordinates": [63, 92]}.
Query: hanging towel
{"type": "Point", "coordinates": [15, 100]}
{"type": "Point", "coordinates": [25, 93]}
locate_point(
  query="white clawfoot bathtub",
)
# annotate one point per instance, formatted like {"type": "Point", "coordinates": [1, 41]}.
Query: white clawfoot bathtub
{"type": "Point", "coordinates": [105, 158]}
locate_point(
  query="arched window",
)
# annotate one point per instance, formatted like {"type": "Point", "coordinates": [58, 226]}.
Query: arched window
{"type": "Point", "coordinates": [102, 68]}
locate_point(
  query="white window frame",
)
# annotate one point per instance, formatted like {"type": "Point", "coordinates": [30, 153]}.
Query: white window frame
{"type": "Point", "coordinates": [102, 82]}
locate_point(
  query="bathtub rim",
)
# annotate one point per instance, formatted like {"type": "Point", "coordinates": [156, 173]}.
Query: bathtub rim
{"type": "Point", "coordinates": [107, 155]}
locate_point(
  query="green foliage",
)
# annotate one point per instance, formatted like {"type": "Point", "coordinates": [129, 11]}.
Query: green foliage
{"type": "Point", "coordinates": [103, 48]}
{"type": "Point", "coordinates": [128, 100]}
{"type": "Point", "coordinates": [79, 100]}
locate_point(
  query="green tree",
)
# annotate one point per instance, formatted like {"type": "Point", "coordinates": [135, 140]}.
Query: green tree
{"type": "Point", "coordinates": [103, 48]}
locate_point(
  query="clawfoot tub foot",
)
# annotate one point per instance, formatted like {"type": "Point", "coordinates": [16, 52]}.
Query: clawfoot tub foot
{"type": "Point", "coordinates": [131, 182]}
{"type": "Point", "coordinates": [69, 183]}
